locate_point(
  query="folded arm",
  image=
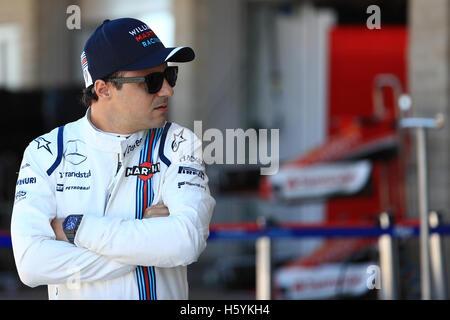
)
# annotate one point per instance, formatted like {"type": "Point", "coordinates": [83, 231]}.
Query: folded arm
{"type": "Point", "coordinates": [39, 257]}
{"type": "Point", "coordinates": [176, 240]}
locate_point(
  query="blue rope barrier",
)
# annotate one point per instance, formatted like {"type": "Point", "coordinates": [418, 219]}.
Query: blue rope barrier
{"type": "Point", "coordinates": [336, 232]}
{"type": "Point", "coordinates": [352, 232]}
{"type": "Point", "coordinates": [5, 241]}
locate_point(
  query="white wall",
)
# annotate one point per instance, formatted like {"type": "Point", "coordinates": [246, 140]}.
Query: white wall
{"type": "Point", "coordinates": [10, 64]}
{"type": "Point", "coordinates": [295, 99]}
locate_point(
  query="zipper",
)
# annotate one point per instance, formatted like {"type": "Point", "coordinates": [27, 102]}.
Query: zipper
{"type": "Point", "coordinates": [119, 163]}
{"type": "Point", "coordinates": [112, 185]}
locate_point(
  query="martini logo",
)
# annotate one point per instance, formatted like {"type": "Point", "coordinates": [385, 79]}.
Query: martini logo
{"type": "Point", "coordinates": [144, 171]}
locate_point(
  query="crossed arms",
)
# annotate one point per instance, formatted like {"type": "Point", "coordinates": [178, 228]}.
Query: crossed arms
{"type": "Point", "coordinates": [107, 247]}
{"type": "Point", "coordinates": [155, 211]}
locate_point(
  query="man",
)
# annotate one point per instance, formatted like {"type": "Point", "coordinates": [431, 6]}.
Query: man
{"type": "Point", "coordinates": [116, 204]}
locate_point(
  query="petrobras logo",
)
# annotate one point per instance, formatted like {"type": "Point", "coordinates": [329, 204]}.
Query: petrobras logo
{"type": "Point", "coordinates": [60, 187]}
{"type": "Point", "coordinates": [144, 171]}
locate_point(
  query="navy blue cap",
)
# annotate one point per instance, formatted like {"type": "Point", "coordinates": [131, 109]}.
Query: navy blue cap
{"type": "Point", "coordinates": [126, 44]}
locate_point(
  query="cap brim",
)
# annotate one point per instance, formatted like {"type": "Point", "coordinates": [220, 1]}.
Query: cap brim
{"type": "Point", "coordinates": [176, 54]}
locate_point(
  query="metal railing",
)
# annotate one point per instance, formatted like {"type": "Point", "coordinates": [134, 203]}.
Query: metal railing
{"type": "Point", "coordinates": [386, 231]}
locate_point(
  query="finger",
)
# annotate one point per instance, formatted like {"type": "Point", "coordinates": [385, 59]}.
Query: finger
{"type": "Point", "coordinates": [159, 215]}
{"type": "Point", "coordinates": [156, 210]}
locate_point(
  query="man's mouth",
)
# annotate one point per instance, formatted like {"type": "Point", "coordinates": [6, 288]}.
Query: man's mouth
{"type": "Point", "coordinates": [162, 107]}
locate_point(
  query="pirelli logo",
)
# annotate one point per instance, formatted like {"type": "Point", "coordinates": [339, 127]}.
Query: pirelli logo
{"type": "Point", "coordinates": [144, 171]}
{"type": "Point", "coordinates": [192, 171]}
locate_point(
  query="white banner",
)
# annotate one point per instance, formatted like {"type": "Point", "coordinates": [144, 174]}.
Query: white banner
{"type": "Point", "coordinates": [325, 281]}
{"type": "Point", "coordinates": [321, 180]}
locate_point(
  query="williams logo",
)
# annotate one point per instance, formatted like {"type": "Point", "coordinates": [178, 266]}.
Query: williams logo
{"type": "Point", "coordinates": [144, 171]}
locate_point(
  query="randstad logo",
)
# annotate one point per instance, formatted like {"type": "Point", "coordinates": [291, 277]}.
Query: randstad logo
{"type": "Point", "coordinates": [74, 174]}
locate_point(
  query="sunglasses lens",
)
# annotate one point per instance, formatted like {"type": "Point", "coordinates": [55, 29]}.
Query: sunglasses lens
{"type": "Point", "coordinates": [154, 82]}
{"type": "Point", "coordinates": [171, 75]}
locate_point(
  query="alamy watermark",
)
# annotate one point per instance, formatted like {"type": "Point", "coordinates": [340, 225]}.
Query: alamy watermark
{"type": "Point", "coordinates": [235, 147]}
{"type": "Point", "coordinates": [374, 20]}
{"type": "Point", "coordinates": [374, 278]}
{"type": "Point", "coordinates": [74, 20]}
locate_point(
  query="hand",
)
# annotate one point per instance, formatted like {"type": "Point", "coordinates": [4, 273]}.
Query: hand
{"type": "Point", "coordinates": [158, 210]}
{"type": "Point", "coordinates": [58, 229]}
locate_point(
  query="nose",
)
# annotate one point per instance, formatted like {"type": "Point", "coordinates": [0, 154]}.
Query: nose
{"type": "Point", "coordinates": [166, 90]}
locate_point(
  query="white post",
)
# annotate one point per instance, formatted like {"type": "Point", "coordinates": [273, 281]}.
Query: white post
{"type": "Point", "coordinates": [263, 261]}
{"type": "Point", "coordinates": [388, 261]}
{"type": "Point", "coordinates": [263, 281]}
{"type": "Point", "coordinates": [421, 125]}
{"type": "Point", "coordinates": [438, 273]}
{"type": "Point", "coordinates": [425, 274]}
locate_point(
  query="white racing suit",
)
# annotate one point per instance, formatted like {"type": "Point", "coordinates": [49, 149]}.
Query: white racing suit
{"type": "Point", "coordinates": [110, 179]}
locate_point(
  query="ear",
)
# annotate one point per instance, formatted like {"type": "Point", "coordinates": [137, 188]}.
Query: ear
{"type": "Point", "coordinates": [102, 89]}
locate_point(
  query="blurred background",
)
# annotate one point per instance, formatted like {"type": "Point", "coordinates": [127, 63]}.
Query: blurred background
{"type": "Point", "coordinates": [321, 71]}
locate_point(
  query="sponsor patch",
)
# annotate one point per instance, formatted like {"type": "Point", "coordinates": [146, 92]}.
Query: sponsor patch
{"type": "Point", "coordinates": [192, 171]}
{"type": "Point", "coordinates": [74, 174]}
{"type": "Point", "coordinates": [190, 158]}
{"type": "Point", "coordinates": [180, 184]}
{"type": "Point", "coordinates": [20, 195]}
{"type": "Point", "coordinates": [30, 180]}
{"type": "Point", "coordinates": [42, 143]}
{"type": "Point", "coordinates": [177, 140]}
{"type": "Point", "coordinates": [72, 153]}
{"type": "Point", "coordinates": [77, 188]}
{"type": "Point", "coordinates": [144, 171]}
{"type": "Point", "coordinates": [130, 148]}
{"type": "Point", "coordinates": [26, 165]}
{"type": "Point", "coordinates": [60, 187]}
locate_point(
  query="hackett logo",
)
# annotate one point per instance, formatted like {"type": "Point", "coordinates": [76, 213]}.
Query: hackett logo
{"type": "Point", "coordinates": [144, 171]}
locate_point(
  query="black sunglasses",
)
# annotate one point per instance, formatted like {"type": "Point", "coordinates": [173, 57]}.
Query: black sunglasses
{"type": "Point", "coordinates": [153, 81]}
